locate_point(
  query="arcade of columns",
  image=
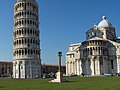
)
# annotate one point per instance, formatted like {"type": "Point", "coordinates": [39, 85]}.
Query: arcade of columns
{"type": "Point", "coordinates": [91, 59]}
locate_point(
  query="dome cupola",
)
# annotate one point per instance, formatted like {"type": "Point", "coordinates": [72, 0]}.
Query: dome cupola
{"type": "Point", "coordinates": [105, 23]}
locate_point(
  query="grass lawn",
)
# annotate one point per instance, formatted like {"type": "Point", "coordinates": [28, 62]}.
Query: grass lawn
{"type": "Point", "coordinates": [75, 83]}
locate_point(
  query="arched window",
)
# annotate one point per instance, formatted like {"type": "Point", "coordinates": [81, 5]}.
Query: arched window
{"type": "Point", "coordinates": [19, 52]}
{"type": "Point", "coordinates": [28, 51]}
{"type": "Point", "coordinates": [31, 51]}
{"type": "Point", "coordinates": [28, 31]}
{"type": "Point", "coordinates": [31, 31]}
{"type": "Point", "coordinates": [25, 6]}
{"type": "Point", "coordinates": [25, 41]}
{"type": "Point", "coordinates": [22, 22]}
{"type": "Point", "coordinates": [17, 32]}
{"type": "Point", "coordinates": [22, 41]}
{"type": "Point", "coordinates": [17, 23]}
{"type": "Point", "coordinates": [22, 13]}
{"type": "Point", "coordinates": [19, 42]}
{"type": "Point", "coordinates": [27, 21]}
{"type": "Point", "coordinates": [33, 22]}
{"type": "Point", "coordinates": [28, 13]}
{"type": "Point", "coordinates": [34, 51]}
{"type": "Point", "coordinates": [25, 51]}
{"type": "Point", "coordinates": [28, 4]}
{"type": "Point", "coordinates": [18, 14]}
{"type": "Point", "coordinates": [25, 31]}
{"type": "Point", "coordinates": [22, 52]}
{"type": "Point", "coordinates": [31, 40]}
{"type": "Point", "coordinates": [22, 31]}
{"type": "Point", "coordinates": [20, 5]}
{"type": "Point", "coordinates": [28, 41]}
{"type": "Point", "coordinates": [112, 64]}
{"type": "Point", "coordinates": [30, 21]}
{"type": "Point", "coordinates": [91, 51]}
{"type": "Point", "coordinates": [25, 13]}
{"type": "Point", "coordinates": [37, 35]}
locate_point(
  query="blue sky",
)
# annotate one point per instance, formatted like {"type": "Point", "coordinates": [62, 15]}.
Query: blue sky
{"type": "Point", "coordinates": [62, 22]}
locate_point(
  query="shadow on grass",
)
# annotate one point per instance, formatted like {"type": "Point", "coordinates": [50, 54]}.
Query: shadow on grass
{"type": "Point", "coordinates": [1, 87]}
{"type": "Point", "coordinates": [69, 81]}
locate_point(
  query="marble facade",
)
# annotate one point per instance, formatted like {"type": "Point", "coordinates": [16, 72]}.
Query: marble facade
{"type": "Point", "coordinates": [98, 54]}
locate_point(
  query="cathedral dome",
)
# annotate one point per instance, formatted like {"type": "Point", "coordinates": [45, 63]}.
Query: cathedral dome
{"type": "Point", "coordinates": [104, 23]}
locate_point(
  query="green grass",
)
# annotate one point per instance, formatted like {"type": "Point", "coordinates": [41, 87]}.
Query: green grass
{"type": "Point", "coordinates": [75, 83]}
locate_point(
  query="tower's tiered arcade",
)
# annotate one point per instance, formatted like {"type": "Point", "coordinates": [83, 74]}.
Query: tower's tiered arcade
{"type": "Point", "coordinates": [26, 52]}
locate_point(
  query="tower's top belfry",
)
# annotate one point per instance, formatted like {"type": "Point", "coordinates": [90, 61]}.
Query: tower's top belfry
{"type": "Point", "coordinates": [30, 1]}
{"type": "Point", "coordinates": [25, 0]}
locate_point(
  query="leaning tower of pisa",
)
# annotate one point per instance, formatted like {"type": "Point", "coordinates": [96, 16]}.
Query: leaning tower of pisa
{"type": "Point", "coordinates": [26, 43]}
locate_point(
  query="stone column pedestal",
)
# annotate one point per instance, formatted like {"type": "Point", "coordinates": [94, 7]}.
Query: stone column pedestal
{"type": "Point", "coordinates": [59, 78]}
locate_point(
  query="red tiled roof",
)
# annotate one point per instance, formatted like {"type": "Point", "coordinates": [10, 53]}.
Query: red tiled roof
{"type": "Point", "coordinates": [4, 62]}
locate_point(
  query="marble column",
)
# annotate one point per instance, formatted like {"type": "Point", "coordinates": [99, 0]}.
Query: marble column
{"type": "Point", "coordinates": [59, 77]}
{"type": "Point", "coordinates": [59, 61]}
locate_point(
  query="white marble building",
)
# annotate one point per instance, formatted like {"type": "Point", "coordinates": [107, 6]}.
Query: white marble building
{"type": "Point", "coordinates": [99, 54]}
{"type": "Point", "coordinates": [26, 43]}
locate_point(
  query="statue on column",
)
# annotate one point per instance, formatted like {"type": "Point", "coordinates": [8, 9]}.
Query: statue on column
{"type": "Point", "coordinates": [59, 75]}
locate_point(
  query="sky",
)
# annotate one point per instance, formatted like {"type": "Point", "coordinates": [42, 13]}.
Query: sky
{"type": "Point", "coordinates": [62, 22]}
